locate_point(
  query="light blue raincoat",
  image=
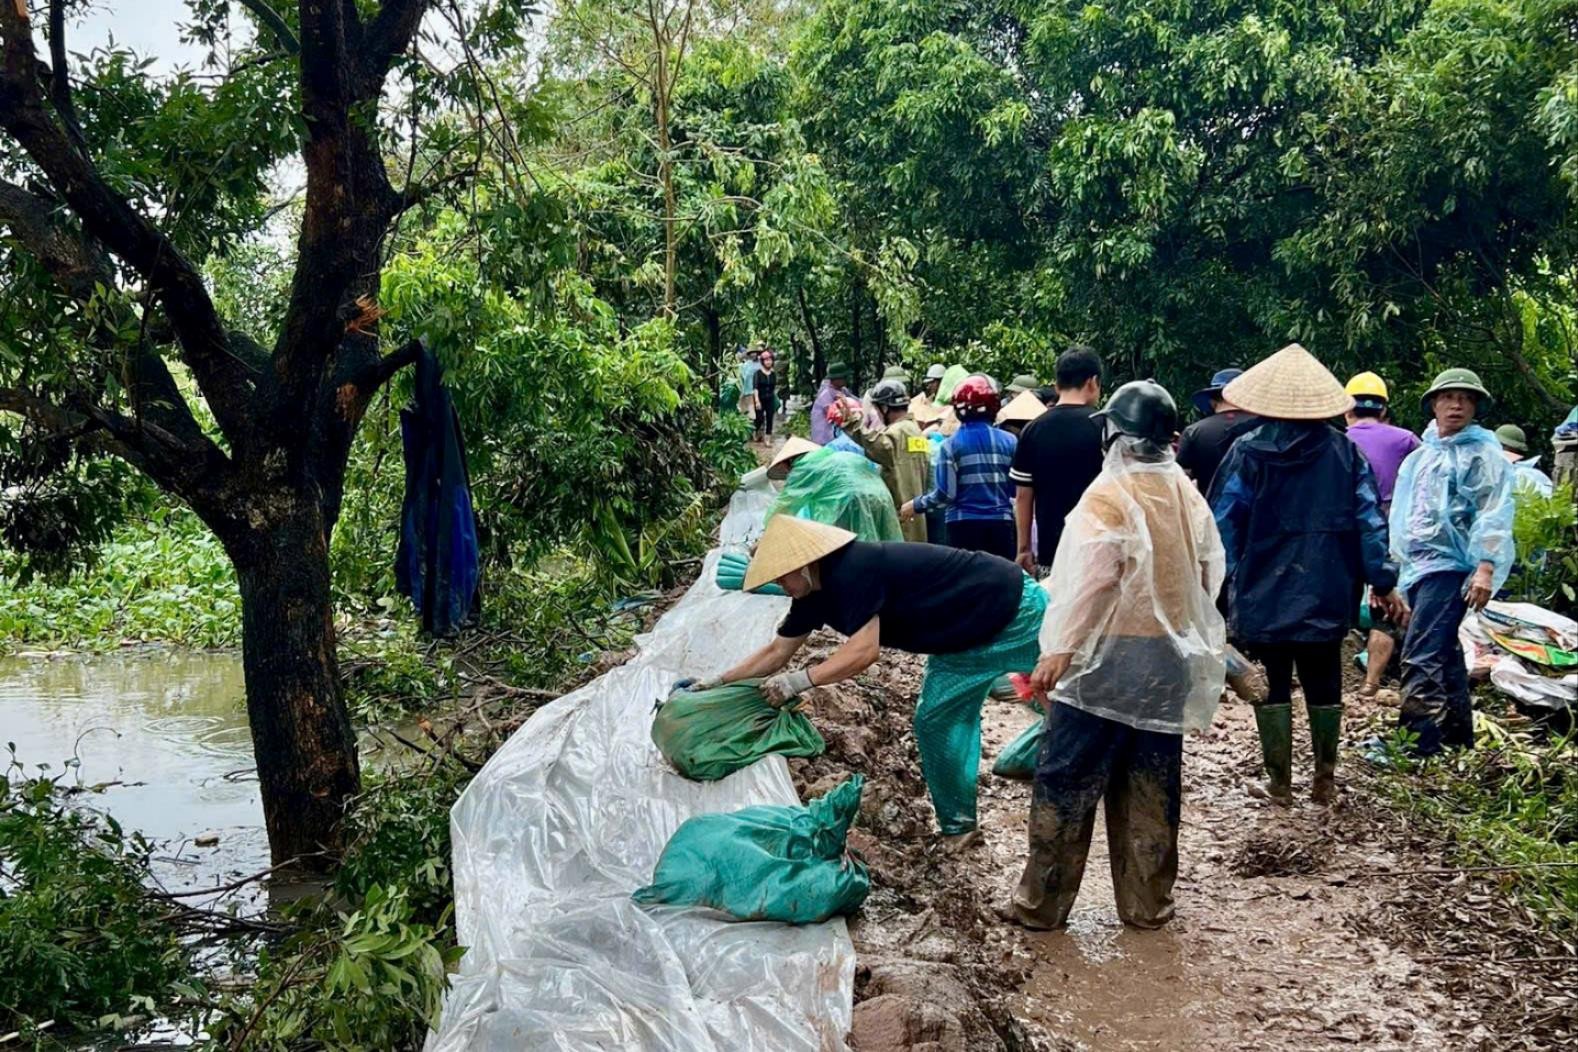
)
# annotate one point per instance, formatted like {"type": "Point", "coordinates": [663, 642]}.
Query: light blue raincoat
{"type": "Point", "coordinates": [1452, 508]}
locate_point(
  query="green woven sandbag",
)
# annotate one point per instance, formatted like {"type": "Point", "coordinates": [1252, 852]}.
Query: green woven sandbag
{"type": "Point", "coordinates": [731, 575]}
{"type": "Point", "coordinates": [840, 489]}
{"type": "Point", "coordinates": [707, 734]}
{"type": "Point", "coordinates": [1018, 758]}
{"type": "Point", "coordinates": [766, 863]}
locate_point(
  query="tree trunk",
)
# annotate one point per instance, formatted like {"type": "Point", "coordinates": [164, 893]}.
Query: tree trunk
{"type": "Point", "coordinates": [818, 359]}
{"type": "Point", "coordinates": [301, 731]}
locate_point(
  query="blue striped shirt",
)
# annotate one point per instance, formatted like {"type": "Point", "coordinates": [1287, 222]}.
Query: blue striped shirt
{"type": "Point", "coordinates": [972, 475]}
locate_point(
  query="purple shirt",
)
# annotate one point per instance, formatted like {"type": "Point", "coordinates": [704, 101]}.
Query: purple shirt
{"type": "Point", "coordinates": [821, 430]}
{"type": "Point", "coordinates": [1385, 447]}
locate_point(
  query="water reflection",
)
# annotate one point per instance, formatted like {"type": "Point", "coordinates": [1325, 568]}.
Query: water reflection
{"type": "Point", "coordinates": [168, 728]}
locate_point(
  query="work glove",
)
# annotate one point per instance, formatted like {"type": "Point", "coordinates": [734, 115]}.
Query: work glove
{"type": "Point", "coordinates": [689, 685]}
{"type": "Point", "coordinates": [784, 687]}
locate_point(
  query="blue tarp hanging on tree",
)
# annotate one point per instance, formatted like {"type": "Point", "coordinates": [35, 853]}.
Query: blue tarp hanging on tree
{"type": "Point", "coordinates": [437, 562]}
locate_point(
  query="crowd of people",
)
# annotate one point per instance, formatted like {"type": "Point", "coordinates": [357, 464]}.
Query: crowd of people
{"type": "Point", "coordinates": [1112, 557]}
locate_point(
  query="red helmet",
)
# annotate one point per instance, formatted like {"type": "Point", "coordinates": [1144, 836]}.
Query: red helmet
{"type": "Point", "coordinates": [977, 395]}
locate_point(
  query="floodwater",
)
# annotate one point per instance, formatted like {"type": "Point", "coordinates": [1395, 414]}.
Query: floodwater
{"type": "Point", "coordinates": [165, 733]}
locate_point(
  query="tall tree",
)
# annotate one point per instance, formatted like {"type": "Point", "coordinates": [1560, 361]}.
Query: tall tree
{"type": "Point", "coordinates": [259, 451]}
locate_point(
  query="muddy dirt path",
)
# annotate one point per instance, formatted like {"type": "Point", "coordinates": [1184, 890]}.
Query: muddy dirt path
{"type": "Point", "coordinates": [1292, 932]}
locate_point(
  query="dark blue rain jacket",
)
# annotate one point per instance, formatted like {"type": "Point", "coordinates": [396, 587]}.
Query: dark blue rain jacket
{"type": "Point", "coordinates": [1297, 507]}
{"type": "Point", "coordinates": [437, 564]}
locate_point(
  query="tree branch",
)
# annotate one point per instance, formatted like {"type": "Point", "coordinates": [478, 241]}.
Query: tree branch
{"type": "Point", "coordinates": [224, 381]}
{"type": "Point", "coordinates": [387, 35]}
{"type": "Point", "coordinates": [276, 25]}
{"type": "Point", "coordinates": [60, 75]}
{"type": "Point", "coordinates": [81, 268]}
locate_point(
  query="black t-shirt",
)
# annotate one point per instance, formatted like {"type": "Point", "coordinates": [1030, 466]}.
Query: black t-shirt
{"type": "Point", "coordinates": [1059, 455]}
{"type": "Point", "coordinates": [932, 599]}
{"type": "Point", "coordinates": [1205, 443]}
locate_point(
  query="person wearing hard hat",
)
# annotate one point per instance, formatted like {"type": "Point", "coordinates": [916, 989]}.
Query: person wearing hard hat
{"type": "Point", "coordinates": [1132, 659]}
{"type": "Point", "coordinates": [1020, 384]}
{"type": "Point", "coordinates": [974, 615]}
{"type": "Point", "coordinates": [1526, 469]}
{"type": "Point", "coordinates": [897, 447]}
{"type": "Point", "coordinates": [1301, 522]}
{"type": "Point", "coordinates": [1385, 446]}
{"type": "Point", "coordinates": [833, 390]}
{"type": "Point", "coordinates": [1452, 534]}
{"type": "Point", "coordinates": [971, 477]}
{"type": "Point", "coordinates": [1206, 441]}
{"type": "Point", "coordinates": [926, 410]}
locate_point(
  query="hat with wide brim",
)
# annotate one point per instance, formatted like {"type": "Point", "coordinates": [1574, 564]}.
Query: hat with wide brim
{"type": "Point", "coordinates": [1024, 408]}
{"type": "Point", "coordinates": [1512, 437]}
{"type": "Point", "coordinates": [796, 446]}
{"type": "Point", "coordinates": [838, 371]}
{"type": "Point", "coordinates": [1023, 382]}
{"type": "Point", "coordinates": [1201, 399]}
{"type": "Point", "coordinates": [1459, 380]}
{"type": "Point", "coordinates": [788, 544]}
{"type": "Point", "coordinates": [1290, 385]}
{"type": "Point", "coordinates": [896, 372]}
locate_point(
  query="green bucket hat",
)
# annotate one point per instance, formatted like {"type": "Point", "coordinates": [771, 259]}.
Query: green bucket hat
{"type": "Point", "coordinates": [1023, 382]}
{"type": "Point", "coordinates": [1511, 437]}
{"type": "Point", "coordinates": [896, 372]}
{"type": "Point", "coordinates": [838, 370]}
{"type": "Point", "coordinates": [1458, 380]}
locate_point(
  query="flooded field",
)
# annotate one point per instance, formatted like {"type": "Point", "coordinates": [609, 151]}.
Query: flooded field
{"type": "Point", "coordinates": [165, 733]}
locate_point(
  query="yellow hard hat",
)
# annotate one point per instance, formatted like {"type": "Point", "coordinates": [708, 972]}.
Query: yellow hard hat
{"type": "Point", "coordinates": [1368, 385]}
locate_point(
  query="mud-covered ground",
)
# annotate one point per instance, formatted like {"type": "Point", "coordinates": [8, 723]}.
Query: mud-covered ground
{"type": "Point", "coordinates": [1296, 928]}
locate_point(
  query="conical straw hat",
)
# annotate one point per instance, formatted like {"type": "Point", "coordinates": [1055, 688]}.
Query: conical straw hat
{"type": "Point", "coordinates": [1290, 385]}
{"type": "Point", "coordinates": [796, 446]}
{"type": "Point", "coordinates": [1025, 407]}
{"type": "Point", "coordinates": [788, 544]}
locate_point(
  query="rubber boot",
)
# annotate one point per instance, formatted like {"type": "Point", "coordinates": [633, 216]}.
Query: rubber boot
{"type": "Point", "coordinates": [1325, 728]}
{"type": "Point", "coordinates": [1275, 723]}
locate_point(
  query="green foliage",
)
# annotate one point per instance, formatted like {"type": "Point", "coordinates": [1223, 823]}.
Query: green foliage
{"type": "Point", "coordinates": [1511, 802]}
{"type": "Point", "coordinates": [164, 578]}
{"type": "Point", "coordinates": [726, 445]}
{"type": "Point", "coordinates": [1545, 533]}
{"type": "Point", "coordinates": [78, 947]}
{"type": "Point", "coordinates": [370, 978]}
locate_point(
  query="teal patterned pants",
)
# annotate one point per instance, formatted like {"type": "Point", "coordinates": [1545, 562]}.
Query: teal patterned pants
{"type": "Point", "coordinates": [948, 717]}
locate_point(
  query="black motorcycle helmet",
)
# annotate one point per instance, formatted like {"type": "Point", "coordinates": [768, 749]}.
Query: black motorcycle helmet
{"type": "Point", "coordinates": [1140, 409]}
{"type": "Point", "coordinates": [890, 394]}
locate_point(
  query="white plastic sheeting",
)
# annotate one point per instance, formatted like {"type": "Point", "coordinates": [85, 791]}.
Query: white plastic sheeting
{"type": "Point", "coordinates": [569, 817]}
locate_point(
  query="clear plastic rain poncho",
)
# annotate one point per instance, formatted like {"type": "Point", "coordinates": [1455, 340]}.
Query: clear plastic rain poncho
{"type": "Point", "coordinates": [1133, 597]}
{"type": "Point", "coordinates": [1452, 508]}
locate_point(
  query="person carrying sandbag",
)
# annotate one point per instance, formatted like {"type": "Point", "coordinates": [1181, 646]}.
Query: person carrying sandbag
{"type": "Point", "coordinates": [975, 615]}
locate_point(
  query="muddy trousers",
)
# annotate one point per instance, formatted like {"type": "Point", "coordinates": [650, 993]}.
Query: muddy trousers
{"type": "Point", "coordinates": [948, 716]}
{"type": "Point", "coordinates": [1436, 704]}
{"type": "Point", "coordinates": [1085, 760]}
